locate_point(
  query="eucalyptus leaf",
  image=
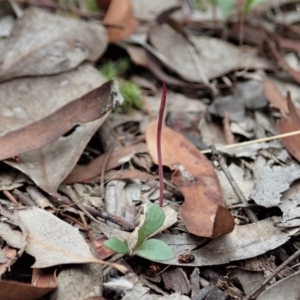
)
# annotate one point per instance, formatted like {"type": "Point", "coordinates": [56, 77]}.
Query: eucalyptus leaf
{"type": "Point", "coordinates": [154, 249]}
{"type": "Point", "coordinates": [116, 245]}
{"type": "Point", "coordinates": [155, 217]}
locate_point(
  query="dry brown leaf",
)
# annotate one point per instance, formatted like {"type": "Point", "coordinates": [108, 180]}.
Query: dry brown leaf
{"type": "Point", "coordinates": [120, 13]}
{"type": "Point", "coordinates": [49, 165]}
{"type": "Point", "coordinates": [203, 211]}
{"type": "Point", "coordinates": [289, 124]}
{"type": "Point", "coordinates": [43, 281]}
{"type": "Point", "coordinates": [89, 107]}
{"type": "Point", "coordinates": [42, 43]}
{"type": "Point", "coordinates": [117, 158]}
{"type": "Point", "coordinates": [274, 95]}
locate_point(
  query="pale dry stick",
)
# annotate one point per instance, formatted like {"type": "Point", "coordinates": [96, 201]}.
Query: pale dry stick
{"type": "Point", "coordinates": [234, 185]}
{"type": "Point", "coordinates": [268, 279]}
{"type": "Point", "coordinates": [101, 213]}
{"type": "Point", "coordinates": [267, 139]}
{"type": "Point", "coordinates": [90, 212]}
{"type": "Point", "coordinates": [11, 198]}
{"type": "Point", "coordinates": [107, 269]}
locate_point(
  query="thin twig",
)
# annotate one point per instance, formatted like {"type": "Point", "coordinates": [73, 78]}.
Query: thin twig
{"type": "Point", "coordinates": [158, 137]}
{"type": "Point", "coordinates": [106, 159]}
{"type": "Point", "coordinates": [11, 198]}
{"type": "Point", "coordinates": [234, 185]}
{"type": "Point", "coordinates": [268, 279]}
{"type": "Point", "coordinates": [266, 139]}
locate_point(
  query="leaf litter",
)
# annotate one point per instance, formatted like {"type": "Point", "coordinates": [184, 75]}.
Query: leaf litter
{"type": "Point", "coordinates": [53, 101]}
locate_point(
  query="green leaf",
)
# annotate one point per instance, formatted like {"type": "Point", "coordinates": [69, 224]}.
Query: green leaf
{"type": "Point", "coordinates": [226, 7]}
{"type": "Point", "coordinates": [116, 245]}
{"type": "Point", "coordinates": [155, 217]}
{"type": "Point", "coordinates": [154, 249]}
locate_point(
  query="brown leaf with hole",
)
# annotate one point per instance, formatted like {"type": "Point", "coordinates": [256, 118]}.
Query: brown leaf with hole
{"type": "Point", "coordinates": [87, 108]}
{"type": "Point", "coordinates": [119, 13]}
{"type": "Point", "coordinates": [203, 210]}
{"type": "Point", "coordinates": [288, 124]}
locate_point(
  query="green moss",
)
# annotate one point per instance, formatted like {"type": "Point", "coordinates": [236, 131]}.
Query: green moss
{"type": "Point", "coordinates": [91, 5]}
{"type": "Point", "coordinates": [130, 91]}
{"type": "Point", "coordinates": [109, 70]}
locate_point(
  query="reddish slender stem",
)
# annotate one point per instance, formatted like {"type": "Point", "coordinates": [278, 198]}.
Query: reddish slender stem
{"type": "Point", "coordinates": [158, 136]}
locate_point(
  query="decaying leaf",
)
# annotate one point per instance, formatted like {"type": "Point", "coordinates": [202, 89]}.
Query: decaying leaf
{"type": "Point", "coordinates": [216, 57]}
{"type": "Point", "coordinates": [243, 242]}
{"type": "Point", "coordinates": [51, 241]}
{"type": "Point", "coordinates": [117, 158]}
{"type": "Point", "coordinates": [49, 165]}
{"type": "Point", "coordinates": [79, 282]}
{"type": "Point", "coordinates": [89, 107]}
{"type": "Point", "coordinates": [287, 288]}
{"type": "Point", "coordinates": [203, 211]}
{"type": "Point", "coordinates": [43, 281]}
{"type": "Point", "coordinates": [272, 181]}
{"type": "Point", "coordinates": [42, 43]}
{"type": "Point", "coordinates": [120, 14]}
{"type": "Point", "coordinates": [289, 124]}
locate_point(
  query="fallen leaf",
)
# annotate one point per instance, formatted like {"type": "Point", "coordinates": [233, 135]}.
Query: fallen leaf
{"type": "Point", "coordinates": [288, 124]}
{"type": "Point", "coordinates": [49, 165]}
{"type": "Point", "coordinates": [216, 57]}
{"type": "Point", "coordinates": [175, 279]}
{"type": "Point", "coordinates": [42, 43]}
{"type": "Point", "coordinates": [52, 241]}
{"type": "Point", "coordinates": [274, 95]}
{"type": "Point", "coordinates": [287, 288]}
{"type": "Point", "coordinates": [43, 281]}
{"type": "Point", "coordinates": [117, 158]}
{"type": "Point", "coordinates": [272, 181]}
{"type": "Point", "coordinates": [89, 107]}
{"type": "Point", "coordinates": [243, 242]}
{"type": "Point", "coordinates": [148, 10]}
{"type": "Point", "coordinates": [11, 290]}
{"type": "Point", "coordinates": [203, 211]}
{"type": "Point", "coordinates": [79, 282]}
{"type": "Point", "coordinates": [120, 13]}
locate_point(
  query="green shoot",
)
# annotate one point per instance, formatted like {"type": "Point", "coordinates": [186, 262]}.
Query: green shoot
{"type": "Point", "coordinates": [152, 249]}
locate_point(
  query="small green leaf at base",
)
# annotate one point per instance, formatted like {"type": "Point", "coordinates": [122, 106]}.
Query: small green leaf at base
{"type": "Point", "coordinates": [155, 217]}
{"type": "Point", "coordinates": [116, 245]}
{"type": "Point", "coordinates": [154, 249]}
